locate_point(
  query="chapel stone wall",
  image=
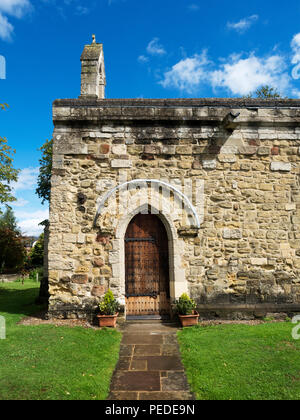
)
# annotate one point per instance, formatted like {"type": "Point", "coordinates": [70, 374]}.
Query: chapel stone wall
{"type": "Point", "coordinates": [244, 258]}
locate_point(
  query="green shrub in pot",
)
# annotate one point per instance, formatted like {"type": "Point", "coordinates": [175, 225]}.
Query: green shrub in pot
{"type": "Point", "coordinates": [185, 305]}
{"type": "Point", "coordinates": [108, 305]}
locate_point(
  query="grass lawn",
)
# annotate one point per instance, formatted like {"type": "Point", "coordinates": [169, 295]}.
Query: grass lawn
{"type": "Point", "coordinates": [242, 362]}
{"type": "Point", "coordinates": [51, 363]}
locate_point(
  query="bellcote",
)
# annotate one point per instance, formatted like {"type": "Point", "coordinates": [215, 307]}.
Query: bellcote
{"type": "Point", "coordinates": [93, 79]}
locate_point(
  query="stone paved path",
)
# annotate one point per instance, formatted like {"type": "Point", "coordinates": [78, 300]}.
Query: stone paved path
{"type": "Point", "coordinates": [150, 366]}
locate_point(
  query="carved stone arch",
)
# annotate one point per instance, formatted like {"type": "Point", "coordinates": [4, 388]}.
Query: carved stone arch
{"type": "Point", "coordinates": [191, 211]}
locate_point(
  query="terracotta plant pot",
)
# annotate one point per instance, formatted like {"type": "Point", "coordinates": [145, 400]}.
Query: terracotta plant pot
{"type": "Point", "coordinates": [189, 320]}
{"type": "Point", "coordinates": [108, 320]}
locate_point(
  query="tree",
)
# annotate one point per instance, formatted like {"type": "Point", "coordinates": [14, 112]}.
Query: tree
{"type": "Point", "coordinates": [8, 220]}
{"type": "Point", "coordinates": [44, 178]}
{"type": "Point", "coordinates": [265, 92]}
{"type": "Point", "coordinates": [12, 249]}
{"type": "Point", "coordinates": [44, 190]}
{"type": "Point", "coordinates": [8, 173]}
{"type": "Point", "coordinates": [36, 256]}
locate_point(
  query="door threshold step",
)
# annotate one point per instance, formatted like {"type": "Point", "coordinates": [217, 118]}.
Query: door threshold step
{"type": "Point", "coordinates": [149, 318]}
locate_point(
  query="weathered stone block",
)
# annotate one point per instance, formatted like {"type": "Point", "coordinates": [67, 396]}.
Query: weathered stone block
{"type": "Point", "coordinates": [197, 164]}
{"type": "Point", "coordinates": [80, 278]}
{"type": "Point", "coordinates": [168, 150]}
{"type": "Point", "coordinates": [98, 291]}
{"type": "Point", "coordinates": [227, 158]}
{"type": "Point", "coordinates": [232, 233]}
{"type": "Point", "coordinates": [281, 166]}
{"type": "Point", "coordinates": [58, 162]}
{"type": "Point", "coordinates": [85, 183]}
{"type": "Point", "coordinates": [290, 206]}
{"type": "Point", "coordinates": [121, 163]}
{"type": "Point", "coordinates": [275, 151]}
{"type": "Point", "coordinates": [263, 151]}
{"type": "Point", "coordinates": [99, 262]}
{"type": "Point", "coordinates": [247, 150]}
{"type": "Point", "coordinates": [184, 150]}
{"type": "Point", "coordinates": [104, 149]}
{"type": "Point", "coordinates": [70, 238]}
{"type": "Point", "coordinates": [209, 164]}
{"type": "Point", "coordinates": [229, 150]}
{"type": "Point", "coordinates": [266, 187]}
{"type": "Point", "coordinates": [259, 261]}
{"type": "Point", "coordinates": [120, 149]}
{"type": "Point", "coordinates": [151, 149]}
{"type": "Point", "coordinates": [80, 238]}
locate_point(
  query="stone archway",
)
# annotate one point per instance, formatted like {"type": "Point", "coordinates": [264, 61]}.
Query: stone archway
{"type": "Point", "coordinates": [178, 283]}
{"type": "Point", "coordinates": [117, 207]}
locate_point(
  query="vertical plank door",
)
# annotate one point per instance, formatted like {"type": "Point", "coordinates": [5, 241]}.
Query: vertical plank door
{"type": "Point", "coordinates": [147, 267]}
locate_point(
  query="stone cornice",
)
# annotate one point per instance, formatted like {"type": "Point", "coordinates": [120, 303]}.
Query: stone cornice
{"type": "Point", "coordinates": [183, 111]}
{"type": "Point", "coordinates": [180, 103]}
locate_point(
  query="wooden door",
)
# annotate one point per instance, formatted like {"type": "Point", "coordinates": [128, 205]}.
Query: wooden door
{"type": "Point", "coordinates": [147, 267]}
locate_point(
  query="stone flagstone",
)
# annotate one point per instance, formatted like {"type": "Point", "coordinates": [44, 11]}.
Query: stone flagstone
{"type": "Point", "coordinates": [149, 366]}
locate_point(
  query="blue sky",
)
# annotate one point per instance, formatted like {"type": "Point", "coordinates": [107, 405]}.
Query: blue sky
{"type": "Point", "coordinates": [153, 49]}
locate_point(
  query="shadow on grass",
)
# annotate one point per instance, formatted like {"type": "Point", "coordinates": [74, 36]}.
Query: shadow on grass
{"type": "Point", "coordinates": [19, 302]}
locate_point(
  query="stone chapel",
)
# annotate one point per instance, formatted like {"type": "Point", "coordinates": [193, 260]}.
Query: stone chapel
{"type": "Point", "coordinates": [152, 198]}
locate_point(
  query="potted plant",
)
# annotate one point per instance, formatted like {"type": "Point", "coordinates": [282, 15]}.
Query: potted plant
{"type": "Point", "coordinates": [108, 308]}
{"type": "Point", "coordinates": [186, 310]}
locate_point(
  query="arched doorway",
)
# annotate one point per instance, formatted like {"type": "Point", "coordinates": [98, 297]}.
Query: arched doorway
{"type": "Point", "coordinates": [147, 280]}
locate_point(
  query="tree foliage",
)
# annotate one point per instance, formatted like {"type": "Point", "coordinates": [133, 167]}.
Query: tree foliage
{"type": "Point", "coordinates": [44, 179]}
{"type": "Point", "coordinates": [12, 249]}
{"type": "Point", "coordinates": [265, 92]}
{"type": "Point", "coordinates": [43, 190]}
{"type": "Point", "coordinates": [8, 220]}
{"type": "Point", "coordinates": [8, 173]}
{"type": "Point", "coordinates": [36, 256]}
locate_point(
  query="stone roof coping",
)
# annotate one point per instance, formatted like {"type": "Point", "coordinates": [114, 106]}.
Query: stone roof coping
{"type": "Point", "coordinates": [91, 52]}
{"type": "Point", "coordinates": [182, 103]}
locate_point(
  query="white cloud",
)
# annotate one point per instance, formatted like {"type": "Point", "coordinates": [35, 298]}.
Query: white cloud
{"type": "Point", "coordinates": [243, 24]}
{"type": "Point", "coordinates": [188, 74]}
{"type": "Point", "coordinates": [29, 221]}
{"type": "Point", "coordinates": [27, 180]}
{"type": "Point", "coordinates": [16, 8]}
{"type": "Point", "coordinates": [143, 59]}
{"type": "Point", "coordinates": [19, 203]}
{"type": "Point", "coordinates": [240, 75]}
{"type": "Point", "coordinates": [154, 48]}
{"type": "Point", "coordinates": [296, 93]}
{"type": "Point", "coordinates": [37, 214]}
{"type": "Point", "coordinates": [6, 29]}
{"type": "Point", "coordinates": [295, 45]}
{"type": "Point", "coordinates": [2, 61]}
{"type": "Point", "coordinates": [81, 10]}
{"type": "Point", "coordinates": [244, 75]}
